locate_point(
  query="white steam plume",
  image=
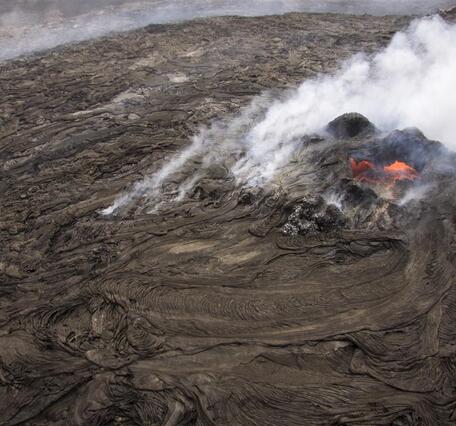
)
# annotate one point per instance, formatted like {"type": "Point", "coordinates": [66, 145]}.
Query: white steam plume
{"type": "Point", "coordinates": [217, 143]}
{"type": "Point", "coordinates": [32, 25]}
{"type": "Point", "coordinates": [409, 84]}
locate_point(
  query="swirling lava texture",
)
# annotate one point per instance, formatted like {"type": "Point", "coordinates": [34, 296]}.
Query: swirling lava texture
{"type": "Point", "coordinates": [235, 305]}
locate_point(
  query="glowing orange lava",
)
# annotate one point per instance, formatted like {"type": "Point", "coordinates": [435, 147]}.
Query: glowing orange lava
{"type": "Point", "coordinates": [400, 170]}
{"type": "Point", "coordinates": [367, 171]}
{"type": "Point", "coordinates": [361, 167]}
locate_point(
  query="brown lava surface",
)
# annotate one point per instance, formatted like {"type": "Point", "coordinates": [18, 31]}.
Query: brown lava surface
{"type": "Point", "coordinates": [224, 308]}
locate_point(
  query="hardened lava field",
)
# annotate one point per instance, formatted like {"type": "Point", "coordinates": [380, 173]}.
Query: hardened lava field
{"type": "Point", "coordinates": [327, 298]}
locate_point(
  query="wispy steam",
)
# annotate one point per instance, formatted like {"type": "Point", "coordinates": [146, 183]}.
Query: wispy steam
{"type": "Point", "coordinates": [415, 193]}
{"type": "Point", "coordinates": [220, 142]}
{"type": "Point", "coordinates": [31, 25]}
{"type": "Point", "coordinates": [409, 84]}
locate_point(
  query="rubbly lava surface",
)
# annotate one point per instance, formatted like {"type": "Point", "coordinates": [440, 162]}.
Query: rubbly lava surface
{"type": "Point", "coordinates": [322, 300]}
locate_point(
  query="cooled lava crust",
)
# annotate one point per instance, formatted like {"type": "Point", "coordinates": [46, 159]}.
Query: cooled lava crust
{"type": "Point", "coordinates": [236, 306]}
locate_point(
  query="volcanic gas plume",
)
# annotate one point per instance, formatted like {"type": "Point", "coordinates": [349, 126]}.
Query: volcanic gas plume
{"type": "Point", "coordinates": [405, 85]}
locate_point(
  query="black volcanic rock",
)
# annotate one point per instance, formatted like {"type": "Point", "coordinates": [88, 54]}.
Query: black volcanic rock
{"type": "Point", "coordinates": [350, 125]}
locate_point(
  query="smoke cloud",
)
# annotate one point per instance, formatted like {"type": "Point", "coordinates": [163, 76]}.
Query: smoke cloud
{"type": "Point", "coordinates": [28, 26]}
{"type": "Point", "coordinates": [408, 84]}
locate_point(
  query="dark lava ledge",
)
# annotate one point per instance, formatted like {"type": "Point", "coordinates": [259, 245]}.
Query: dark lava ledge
{"type": "Point", "coordinates": [235, 307]}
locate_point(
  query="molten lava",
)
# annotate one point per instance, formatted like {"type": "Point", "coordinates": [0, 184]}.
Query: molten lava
{"type": "Point", "coordinates": [361, 167]}
{"type": "Point", "coordinates": [399, 171]}
{"type": "Point", "coordinates": [367, 171]}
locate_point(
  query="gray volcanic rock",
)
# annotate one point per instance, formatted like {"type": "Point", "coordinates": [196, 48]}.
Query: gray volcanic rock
{"type": "Point", "coordinates": [317, 301]}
